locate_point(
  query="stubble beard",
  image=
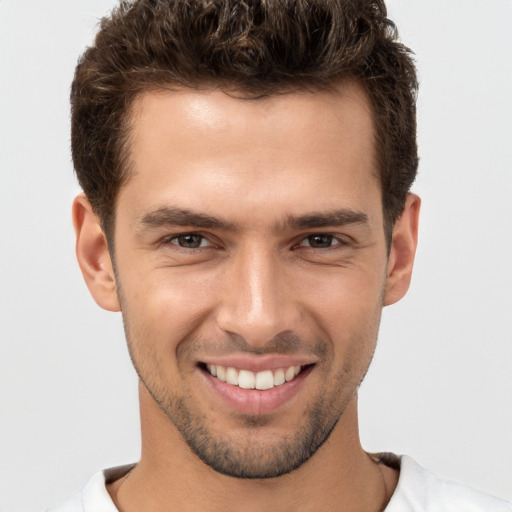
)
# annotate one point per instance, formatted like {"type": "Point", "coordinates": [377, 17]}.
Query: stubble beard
{"type": "Point", "coordinates": [254, 457]}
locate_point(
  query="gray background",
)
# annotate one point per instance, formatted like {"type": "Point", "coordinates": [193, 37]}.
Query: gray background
{"type": "Point", "coordinates": [440, 388]}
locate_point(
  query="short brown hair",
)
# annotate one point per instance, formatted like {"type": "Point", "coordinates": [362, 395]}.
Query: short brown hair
{"type": "Point", "coordinates": [257, 47]}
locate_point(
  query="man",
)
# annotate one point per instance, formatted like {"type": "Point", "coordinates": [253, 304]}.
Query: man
{"type": "Point", "coordinates": [246, 171]}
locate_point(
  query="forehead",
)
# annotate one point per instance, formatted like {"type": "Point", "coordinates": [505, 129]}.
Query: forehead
{"type": "Point", "coordinates": [214, 116]}
{"type": "Point", "coordinates": [193, 148]}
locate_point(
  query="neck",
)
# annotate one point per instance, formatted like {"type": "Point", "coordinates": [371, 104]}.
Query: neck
{"type": "Point", "coordinates": [339, 476]}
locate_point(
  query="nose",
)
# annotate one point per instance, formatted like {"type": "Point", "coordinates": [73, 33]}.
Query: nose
{"type": "Point", "coordinates": [257, 299]}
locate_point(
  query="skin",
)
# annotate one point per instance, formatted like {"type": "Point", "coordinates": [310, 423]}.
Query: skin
{"type": "Point", "coordinates": [255, 286]}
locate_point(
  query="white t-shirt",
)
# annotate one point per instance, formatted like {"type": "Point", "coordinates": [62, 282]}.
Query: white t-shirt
{"type": "Point", "coordinates": [417, 491]}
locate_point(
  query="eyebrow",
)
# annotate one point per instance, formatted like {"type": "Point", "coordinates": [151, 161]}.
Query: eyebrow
{"type": "Point", "coordinates": [335, 218]}
{"type": "Point", "coordinates": [169, 216]}
{"type": "Point", "coordinates": [166, 216]}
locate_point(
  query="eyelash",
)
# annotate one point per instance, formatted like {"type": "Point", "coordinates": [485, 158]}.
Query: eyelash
{"type": "Point", "coordinates": [338, 242]}
{"type": "Point", "coordinates": [203, 238]}
{"type": "Point", "coordinates": [331, 238]}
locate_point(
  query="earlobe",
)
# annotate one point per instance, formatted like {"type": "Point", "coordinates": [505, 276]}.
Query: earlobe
{"type": "Point", "coordinates": [403, 250]}
{"type": "Point", "coordinates": [93, 255]}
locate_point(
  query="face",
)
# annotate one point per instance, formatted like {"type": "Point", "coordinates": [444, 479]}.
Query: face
{"type": "Point", "coordinates": [251, 268]}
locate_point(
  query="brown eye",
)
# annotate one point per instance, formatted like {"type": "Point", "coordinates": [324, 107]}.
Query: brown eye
{"type": "Point", "coordinates": [189, 241]}
{"type": "Point", "coordinates": [320, 241]}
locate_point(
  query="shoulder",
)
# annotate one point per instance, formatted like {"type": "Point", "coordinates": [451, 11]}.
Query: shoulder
{"type": "Point", "coordinates": [419, 490]}
{"type": "Point", "coordinates": [94, 496]}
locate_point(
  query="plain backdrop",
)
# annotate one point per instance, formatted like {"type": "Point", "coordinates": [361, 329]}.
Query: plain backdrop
{"type": "Point", "coordinates": [440, 388]}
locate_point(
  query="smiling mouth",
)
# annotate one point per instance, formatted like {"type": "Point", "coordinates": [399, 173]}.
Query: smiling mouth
{"type": "Point", "coordinates": [247, 379]}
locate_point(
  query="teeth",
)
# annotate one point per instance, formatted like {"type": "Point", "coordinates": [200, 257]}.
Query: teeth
{"type": "Point", "coordinates": [279, 377]}
{"type": "Point", "coordinates": [264, 380]}
{"type": "Point", "coordinates": [246, 379]}
{"type": "Point", "coordinates": [289, 374]}
{"type": "Point", "coordinates": [232, 376]}
{"type": "Point", "coordinates": [221, 373]}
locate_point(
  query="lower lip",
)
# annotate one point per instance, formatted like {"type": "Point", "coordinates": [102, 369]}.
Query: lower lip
{"type": "Point", "coordinates": [254, 401]}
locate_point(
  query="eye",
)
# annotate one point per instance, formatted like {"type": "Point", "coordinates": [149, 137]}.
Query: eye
{"type": "Point", "coordinates": [190, 241]}
{"type": "Point", "coordinates": [320, 241]}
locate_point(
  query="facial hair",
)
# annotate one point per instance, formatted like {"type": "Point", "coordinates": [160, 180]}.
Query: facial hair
{"type": "Point", "coordinates": [254, 457]}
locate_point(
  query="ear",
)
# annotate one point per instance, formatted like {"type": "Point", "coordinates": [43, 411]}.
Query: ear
{"type": "Point", "coordinates": [403, 249]}
{"type": "Point", "coordinates": [93, 256]}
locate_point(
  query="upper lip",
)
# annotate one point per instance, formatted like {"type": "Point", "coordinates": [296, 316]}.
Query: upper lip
{"type": "Point", "coordinates": [259, 363]}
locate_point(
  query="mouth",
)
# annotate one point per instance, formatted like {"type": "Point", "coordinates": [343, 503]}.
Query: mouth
{"type": "Point", "coordinates": [247, 379]}
{"type": "Point", "coordinates": [262, 389]}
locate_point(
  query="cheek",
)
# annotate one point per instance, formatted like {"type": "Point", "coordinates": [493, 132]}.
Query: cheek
{"type": "Point", "coordinates": [347, 310]}
{"type": "Point", "coordinates": [343, 297]}
{"type": "Point", "coordinates": [164, 304]}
